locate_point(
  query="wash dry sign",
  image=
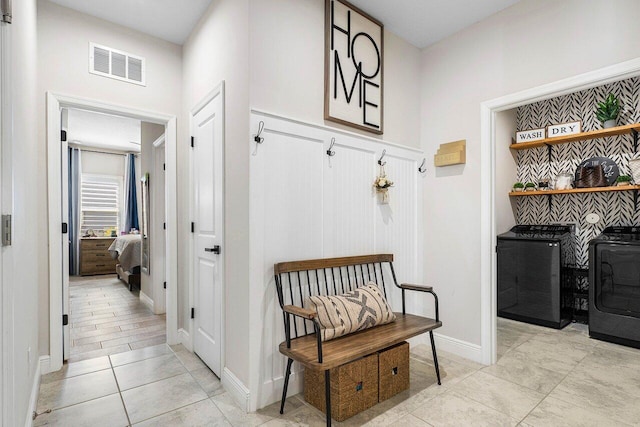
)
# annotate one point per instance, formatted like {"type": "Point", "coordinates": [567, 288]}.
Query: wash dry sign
{"type": "Point", "coordinates": [353, 67]}
{"type": "Point", "coordinates": [564, 129]}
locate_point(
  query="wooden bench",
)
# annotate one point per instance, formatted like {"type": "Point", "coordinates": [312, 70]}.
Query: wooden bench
{"type": "Point", "coordinates": [297, 280]}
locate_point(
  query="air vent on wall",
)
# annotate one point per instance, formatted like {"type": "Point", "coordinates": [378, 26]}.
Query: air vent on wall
{"type": "Point", "coordinates": [108, 62]}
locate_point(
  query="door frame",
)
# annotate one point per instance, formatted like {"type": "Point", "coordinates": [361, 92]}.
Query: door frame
{"type": "Point", "coordinates": [7, 327]}
{"type": "Point", "coordinates": [55, 102]}
{"type": "Point", "coordinates": [158, 291]}
{"type": "Point", "coordinates": [488, 111]}
{"type": "Point", "coordinates": [218, 90]}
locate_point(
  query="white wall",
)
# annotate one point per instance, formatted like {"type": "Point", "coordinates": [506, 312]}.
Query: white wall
{"type": "Point", "coordinates": [149, 133]}
{"type": "Point", "coordinates": [526, 45]}
{"type": "Point", "coordinates": [218, 49]}
{"type": "Point", "coordinates": [102, 163]}
{"type": "Point", "coordinates": [63, 46]}
{"type": "Point", "coordinates": [287, 69]}
{"type": "Point", "coordinates": [25, 214]}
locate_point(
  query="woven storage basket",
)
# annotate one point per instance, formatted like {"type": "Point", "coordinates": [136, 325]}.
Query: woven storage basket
{"type": "Point", "coordinates": [354, 387]}
{"type": "Point", "coordinates": [393, 371]}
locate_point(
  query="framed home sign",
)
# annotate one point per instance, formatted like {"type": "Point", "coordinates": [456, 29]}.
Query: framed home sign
{"type": "Point", "coordinates": [353, 74]}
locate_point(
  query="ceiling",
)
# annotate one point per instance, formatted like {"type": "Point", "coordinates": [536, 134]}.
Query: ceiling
{"type": "Point", "coordinates": [170, 20]}
{"type": "Point", "coordinates": [424, 22]}
{"type": "Point", "coordinates": [420, 22]}
{"type": "Point", "coordinates": [98, 130]}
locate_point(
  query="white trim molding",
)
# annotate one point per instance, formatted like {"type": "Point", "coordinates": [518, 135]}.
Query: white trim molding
{"type": "Point", "coordinates": [45, 365]}
{"type": "Point", "coordinates": [55, 102]}
{"type": "Point", "coordinates": [33, 398]}
{"type": "Point", "coordinates": [185, 339]}
{"type": "Point", "coordinates": [488, 110]}
{"type": "Point", "coordinates": [451, 345]}
{"type": "Point", "coordinates": [236, 389]}
{"type": "Point", "coordinates": [146, 300]}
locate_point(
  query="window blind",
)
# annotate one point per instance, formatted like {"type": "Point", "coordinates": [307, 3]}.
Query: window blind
{"type": "Point", "coordinates": [100, 202]}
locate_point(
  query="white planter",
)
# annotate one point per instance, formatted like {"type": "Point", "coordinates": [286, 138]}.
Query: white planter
{"type": "Point", "coordinates": [609, 124]}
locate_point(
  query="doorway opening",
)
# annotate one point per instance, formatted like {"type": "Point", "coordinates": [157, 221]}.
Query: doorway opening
{"type": "Point", "coordinates": [106, 190]}
{"type": "Point", "coordinates": [113, 266]}
{"type": "Point", "coordinates": [493, 187]}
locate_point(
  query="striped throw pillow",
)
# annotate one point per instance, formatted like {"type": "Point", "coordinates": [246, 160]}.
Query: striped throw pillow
{"type": "Point", "coordinates": [362, 308]}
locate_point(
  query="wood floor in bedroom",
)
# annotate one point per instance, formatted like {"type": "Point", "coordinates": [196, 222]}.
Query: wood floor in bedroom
{"type": "Point", "coordinates": [106, 318]}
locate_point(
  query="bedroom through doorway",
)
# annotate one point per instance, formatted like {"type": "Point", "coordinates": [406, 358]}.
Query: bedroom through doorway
{"type": "Point", "coordinates": [113, 204]}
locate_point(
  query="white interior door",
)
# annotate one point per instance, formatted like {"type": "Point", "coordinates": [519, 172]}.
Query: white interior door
{"type": "Point", "coordinates": [64, 167]}
{"type": "Point", "coordinates": [207, 124]}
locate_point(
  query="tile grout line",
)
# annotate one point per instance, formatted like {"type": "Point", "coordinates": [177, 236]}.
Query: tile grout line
{"type": "Point", "coordinates": [520, 385]}
{"type": "Point", "coordinates": [556, 386]}
{"type": "Point", "coordinates": [126, 412]}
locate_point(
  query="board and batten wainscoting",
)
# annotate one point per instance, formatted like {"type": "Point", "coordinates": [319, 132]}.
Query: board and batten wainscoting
{"type": "Point", "coordinates": [306, 204]}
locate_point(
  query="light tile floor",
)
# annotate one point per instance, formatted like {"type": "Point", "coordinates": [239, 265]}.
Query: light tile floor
{"type": "Point", "coordinates": [543, 377]}
{"type": "Point", "coordinates": [106, 318]}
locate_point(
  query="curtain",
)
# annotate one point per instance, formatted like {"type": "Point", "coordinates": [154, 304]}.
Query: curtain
{"type": "Point", "coordinates": [131, 199]}
{"type": "Point", "coordinates": [75, 177]}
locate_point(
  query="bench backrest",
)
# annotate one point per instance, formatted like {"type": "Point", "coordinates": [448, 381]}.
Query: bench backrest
{"type": "Point", "coordinates": [297, 280]}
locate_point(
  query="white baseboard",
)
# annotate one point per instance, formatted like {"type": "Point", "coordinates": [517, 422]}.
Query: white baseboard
{"type": "Point", "coordinates": [35, 389]}
{"type": "Point", "coordinates": [452, 345]}
{"type": "Point", "coordinates": [185, 339]}
{"type": "Point", "coordinates": [236, 389]}
{"type": "Point", "coordinates": [271, 391]}
{"type": "Point", "coordinates": [45, 365]}
{"type": "Point", "coordinates": [146, 300]}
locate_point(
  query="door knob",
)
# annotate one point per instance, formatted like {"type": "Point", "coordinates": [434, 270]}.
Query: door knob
{"type": "Point", "coordinates": [215, 249]}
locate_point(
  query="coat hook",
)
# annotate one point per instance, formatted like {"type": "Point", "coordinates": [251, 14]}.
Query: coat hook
{"type": "Point", "coordinates": [258, 139]}
{"type": "Point", "coordinates": [380, 162]}
{"type": "Point", "coordinates": [330, 152]}
{"type": "Point", "coordinates": [421, 168]}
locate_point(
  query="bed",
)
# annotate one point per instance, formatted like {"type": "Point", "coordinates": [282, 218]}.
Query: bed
{"type": "Point", "coordinates": [127, 250]}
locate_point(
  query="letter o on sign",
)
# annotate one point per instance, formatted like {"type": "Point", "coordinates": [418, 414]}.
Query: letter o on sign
{"type": "Point", "coordinates": [362, 47]}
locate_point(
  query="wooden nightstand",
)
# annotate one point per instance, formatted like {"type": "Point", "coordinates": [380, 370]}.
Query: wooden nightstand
{"type": "Point", "coordinates": [95, 257]}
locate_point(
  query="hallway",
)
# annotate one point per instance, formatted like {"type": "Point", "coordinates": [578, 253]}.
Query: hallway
{"type": "Point", "coordinates": [106, 318]}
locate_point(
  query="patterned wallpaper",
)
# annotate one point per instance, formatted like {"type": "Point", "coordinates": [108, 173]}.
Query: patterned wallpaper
{"type": "Point", "coordinates": [614, 208]}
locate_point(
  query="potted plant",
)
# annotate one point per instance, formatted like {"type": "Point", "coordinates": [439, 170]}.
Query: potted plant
{"type": "Point", "coordinates": [518, 186]}
{"type": "Point", "coordinates": [529, 186]}
{"type": "Point", "coordinates": [607, 111]}
{"type": "Point", "coordinates": [623, 180]}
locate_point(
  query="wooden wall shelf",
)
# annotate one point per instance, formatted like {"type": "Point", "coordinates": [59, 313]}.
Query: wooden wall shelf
{"type": "Point", "coordinates": [574, 190]}
{"type": "Point", "coordinates": [600, 133]}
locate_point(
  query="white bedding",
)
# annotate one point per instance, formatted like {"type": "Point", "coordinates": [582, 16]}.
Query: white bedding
{"type": "Point", "coordinates": [128, 250]}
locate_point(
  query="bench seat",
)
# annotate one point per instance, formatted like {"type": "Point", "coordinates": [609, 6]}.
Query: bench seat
{"type": "Point", "coordinates": [297, 280]}
{"type": "Point", "coordinates": [350, 347]}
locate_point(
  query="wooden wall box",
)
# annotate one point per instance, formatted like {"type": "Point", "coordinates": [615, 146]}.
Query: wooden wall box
{"type": "Point", "coordinates": [453, 153]}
